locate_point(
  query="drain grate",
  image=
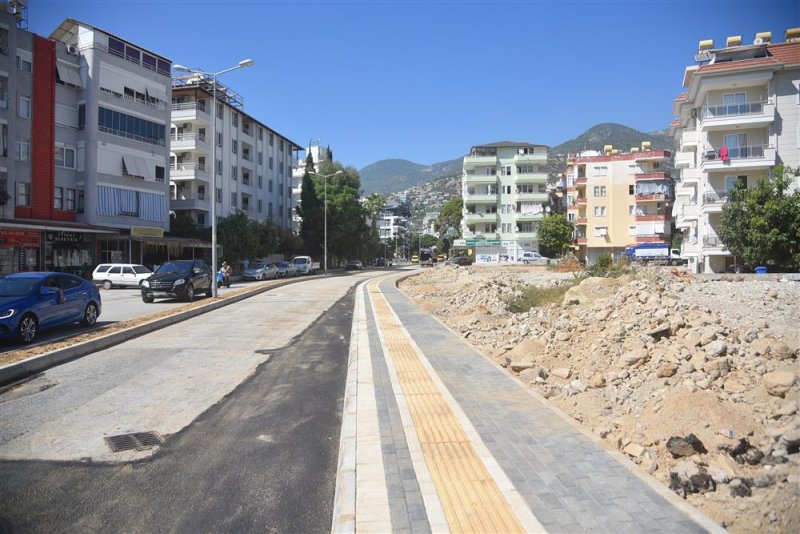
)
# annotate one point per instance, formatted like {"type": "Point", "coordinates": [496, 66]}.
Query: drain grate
{"type": "Point", "coordinates": [139, 441]}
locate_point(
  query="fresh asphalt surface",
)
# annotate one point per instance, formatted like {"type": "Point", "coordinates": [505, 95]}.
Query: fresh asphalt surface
{"type": "Point", "coordinates": [262, 459]}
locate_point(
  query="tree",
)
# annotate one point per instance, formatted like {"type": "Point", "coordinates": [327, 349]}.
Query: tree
{"type": "Point", "coordinates": [450, 217]}
{"type": "Point", "coordinates": [555, 235]}
{"type": "Point", "coordinates": [310, 210]}
{"type": "Point", "coordinates": [374, 205]}
{"type": "Point", "coordinates": [761, 225]}
{"type": "Point", "coordinates": [182, 225]}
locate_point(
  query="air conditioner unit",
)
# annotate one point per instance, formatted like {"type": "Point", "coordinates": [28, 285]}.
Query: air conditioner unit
{"type": "Point", "coordinates": [694, 113]}
{"type": "Point", "coordinates": [72, 49]}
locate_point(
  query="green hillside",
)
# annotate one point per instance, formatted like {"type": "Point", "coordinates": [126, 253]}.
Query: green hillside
{"type": "Point", "coordinates": [621, 137]}
{"type": "Point", "coordinates": [394, 175]}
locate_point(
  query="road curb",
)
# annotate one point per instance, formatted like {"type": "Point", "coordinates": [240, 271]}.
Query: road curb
{"type": "Point", "coordinates": [20, 370]}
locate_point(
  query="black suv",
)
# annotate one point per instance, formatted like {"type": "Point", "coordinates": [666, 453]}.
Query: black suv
{"type": "Point", "coordinates": [178, 279]}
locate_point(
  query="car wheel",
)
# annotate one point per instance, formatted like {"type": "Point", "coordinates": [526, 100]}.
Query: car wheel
{"type": "Point", "coordinates": [28, 328]}
{"type": "Point", "coordinates": [209, 291]}
{"type": "Point", "coordinates": [147, 300]}
{"type": "Point", "coordinates": [263, 277]}
{"type": "Point", "coordinates": [90, 315]}
{"type": "Point", "coordinates": [107, 284]}
{"type": "Point", "coordinates": [189, 297]}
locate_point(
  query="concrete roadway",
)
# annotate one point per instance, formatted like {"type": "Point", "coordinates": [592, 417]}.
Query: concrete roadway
{"type": "Point", "coordinates": [249, 398]}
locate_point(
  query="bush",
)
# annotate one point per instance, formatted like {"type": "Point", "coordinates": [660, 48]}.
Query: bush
{"type": "Point", "coordinates": [534, 297]}
{"type": "Point", "coordinates": [604, 267]}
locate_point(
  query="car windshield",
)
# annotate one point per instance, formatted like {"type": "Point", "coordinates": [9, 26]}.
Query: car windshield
{"type": "Point", "coordinates": [283, 265]}
{"type": "Point", "coordinates": [174, 267]}
{"type": "Point", "coordinates": [16, 287]}
{"type": "Point", "coordinates": [258, 266]}
{"type": "Point", "coordinates": [140, 269]}
{"type": "Point", "coordinates": [300, 260]}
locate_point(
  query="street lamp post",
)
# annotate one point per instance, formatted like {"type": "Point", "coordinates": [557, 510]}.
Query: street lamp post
{"type": "Point", "coordinates": [325, 231]}
{"type": "Point", "coordinates": [242, 64]}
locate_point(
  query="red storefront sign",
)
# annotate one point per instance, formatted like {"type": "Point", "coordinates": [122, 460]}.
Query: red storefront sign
{"type": "Point", "coordinates": [12, 237]}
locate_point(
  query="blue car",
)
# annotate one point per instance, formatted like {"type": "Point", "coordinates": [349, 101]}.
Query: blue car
{"type": "Point", "coordinates": [31, 302]}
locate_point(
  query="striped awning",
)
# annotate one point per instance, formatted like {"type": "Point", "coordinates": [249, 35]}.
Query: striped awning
{"type": "Point", "coordinates": [113, 201]}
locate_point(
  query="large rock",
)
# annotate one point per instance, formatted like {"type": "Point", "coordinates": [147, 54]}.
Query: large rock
{"type": "Point", "coordinates": [667, 370]}
{"type": "Point", "coordinates": [562, 372]}
{"type": "Point", "coordinates": [687, 477]}
{"type": "Point", "coordinates": [679, 447]}
{"type": "Point", "coordinates": [633, 357]}
{"type": "Point", "coordinates": [777, 383]}
{"type": "Point", "coordinates": [716, 348]}
{"type": "Point", "coordinates": [717, 368]}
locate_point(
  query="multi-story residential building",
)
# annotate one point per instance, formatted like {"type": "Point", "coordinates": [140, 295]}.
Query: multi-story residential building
{"type": "Point", "coordinates": [739, 117]}
{"type": "Point", "coordinates": [83, 118]}
{"type": "Point", "coordinates": [254, 163]}
{"type": "Point", "coordinates": [393, 222]}
{"type": "Point", "coordinates": [317, 153]}
{"type": "Point", "coordinates": [505, 196]}
{"type": "Point", "coordinates": [617, 200]}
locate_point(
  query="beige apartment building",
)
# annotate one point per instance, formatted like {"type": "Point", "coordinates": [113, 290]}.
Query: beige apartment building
{"type": "Point", "coordinates": [737, 119]}
{"type": "Point", "coordinates": [617, 200]}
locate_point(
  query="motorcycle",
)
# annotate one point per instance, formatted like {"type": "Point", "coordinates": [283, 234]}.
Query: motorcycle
{"type": "Point", "coordinates": [223, 279]}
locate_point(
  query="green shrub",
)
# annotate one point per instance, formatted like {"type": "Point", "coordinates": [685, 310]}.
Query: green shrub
{"type": "Point", "coordinates": [534, 297]}
{"type": "Point", "coordinates": [604, 267]}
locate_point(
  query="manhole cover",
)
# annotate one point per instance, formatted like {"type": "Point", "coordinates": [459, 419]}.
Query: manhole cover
{"type": "Point", "coordinates": [139, 441]}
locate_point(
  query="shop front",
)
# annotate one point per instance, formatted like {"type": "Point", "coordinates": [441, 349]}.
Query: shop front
{"type": "Point", "coordinates": [19, 250]}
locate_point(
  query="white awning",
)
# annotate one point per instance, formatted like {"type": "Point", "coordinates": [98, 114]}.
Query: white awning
{"type": "Point", "coordinates": [137, 166]}
{"type": "Point", "coordinates": [157, 92]}
{"type": "Point", "coordinates": [69, 74]}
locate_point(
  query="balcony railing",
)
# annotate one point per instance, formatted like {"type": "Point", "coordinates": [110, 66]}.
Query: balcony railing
{"type": "Point", "coordinates": [737, 152]}
{"type": "Point", "coordinates": [581, 221]}
{"type": "Point", "coordinates": [652, 176]}
{"type": "Point", "coordinates": [188, 167]}
{"type": "Point", "coordinates": [187, 196]}
{"type": "Point", "coordinates": [716, 198]}
{"type": "Point", "coordinates": [660, 197]}
{"type": "Point", "coordinates": [651, 217]}
{"type": "Point", "coordinates": [710, 112]}
{"type": "Point", "coordinates": [712, 241]}
{"type": "Point", "coordinates": [135, 137]}
{"type": "Point", "coordinates": [580, 180]}
{"type": "Point", "coordinates": [580, 201]}
{"type": "Point", "coordinates": [189, 106]}
{"type": "Point", "coordinates": [188, 137]}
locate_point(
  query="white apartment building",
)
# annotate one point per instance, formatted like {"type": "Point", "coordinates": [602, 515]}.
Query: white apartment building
{"type": "Point", "coordinates": [254, 163]}
{"type": "Point", "coordinates": [505, 196]}
{"type": "Point", "coordinates": [739, 117]}
{"type": "Point", "coordinates": [83, 119]}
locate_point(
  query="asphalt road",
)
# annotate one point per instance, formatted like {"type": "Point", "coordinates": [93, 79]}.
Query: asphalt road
{"type": "Point", "coordinates": [256, 413]}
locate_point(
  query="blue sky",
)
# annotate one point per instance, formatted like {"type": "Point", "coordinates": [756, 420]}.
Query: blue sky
{"type": "Point", "coordinates": [425, 80]}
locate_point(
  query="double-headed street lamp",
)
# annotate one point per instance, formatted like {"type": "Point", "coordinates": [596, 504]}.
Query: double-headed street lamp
{"type": "Point", "coordinates": [325, 246]}
{"type": "Point", "coordinates": [242, 64]}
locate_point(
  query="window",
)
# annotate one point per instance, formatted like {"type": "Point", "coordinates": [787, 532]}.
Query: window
{"type": "Point", "coordinates": [245, 177]}
{"type": "Point", "coordinates": [506, 170]}
{"type": "Point", "coordinates": [269, 211]}
{"type": "Point", "coordinates": [235, 146]}
{"type": "Point", "coordinates": [259, 205]}
{"type": "Point", "coordinates": [70, 200]}
{"type": "Point", "coordinates": [23, 149]}
{"type": "Point", "coordinates": [58, 198]}
{"type": "Point", "coordinates": [506, 189]}
{"type": "Point", "coordinates": [219, 167]}
{"type": "Point", "coordinates": [116, 47]}
{"type": "Point", "coordinates": [289, 169]}
{"type": "Point", "coordinates": [220, 111]}
{"type": "Point", "coordinates": [219, 194]}
{"type": "Point", "coordinates": [123, 125]}
{"type": "Point", "coordinates": [81, 116]}
{"type": "Point", "coordinates": [24, 65]}
{"type": "Point", "coordinates": [599, 190]}
{"type": "Point", "coordinates": [23, 194]}
{"type": "Point", "coordinates": [233, 199]}
{"type": "Point", "coordinates": [260, 138]}
{"type": "Point", "coordinates": [631, 190]}
{"type": "Point", "coordinates": [201, 219]}
{"type": "Point", "coordinates": [526, 169]}
{"type": "Point", "coordinates": [261, 182]}
{"type": "Point", "coordinates": [271, 139]}
{"type": "Point", "coordinates": [281, 145]}
{"type": "Point", "coordinates": [65, 157]}
{"type": "Point", "coordinates": [201, 192]}
{"type": "Point", "coordinates": [270, 186]}
{"type": "Point", "coordinates": [491, 171]}
{"type": "Point", "coordinates": [159, 173]}
{"type": "Point", "coordinates": [271, 162]}
{"type": "Point", "coordinates": [235, 119]}
{"type": "Point", "coordinates": [599, 211]}
{"type": "Point", "coordinates": [631, 209]}
{"type": "Point", "coordinates": [219, 139]}
{"type": "Point", "coordinates": [234, 172]}
{"type": "Point", "coordinates": [260, 158]}
{"type": "Point", "coordinates": [280, 168]}
{"type": "Point", "coordinates": [24, 107]}
{"type": "Point", "coordinates": [600, 231]}
{"type": "Point", "coordinates": [4, 140]}
{"type": "Point", "coordinates": [80, 200]}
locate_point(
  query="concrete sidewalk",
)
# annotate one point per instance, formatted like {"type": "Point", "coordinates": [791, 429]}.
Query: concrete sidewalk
{"type": "Point", "coordinates": [436, 438]}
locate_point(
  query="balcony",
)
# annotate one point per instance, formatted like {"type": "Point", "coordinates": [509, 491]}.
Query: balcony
{"type": "Point", "coordinates": [652, 176]}
{"type": "Point", "coordinates": [690, 175]}
{"type": "Point", "coordinates": [684, 159]}
{"type": "Point", "coordinates": [652, 239]}
{"type": "Point", "coordinates": [656, 197]}
{"type": "Point", "coordinates": [521, 234]}
{"type": "Point", "coordinates": [189, 171]}
{"type": "Point", "coordinates": [480, 198]}
{"type": "Point", "coordinates": [581, 221]}
{"type": "Point", "coordinates": [750, 157]}
{"type": "Point", "coordinates": [530, 216]}
{"type": "Point", "coordinates": [188, 141]}
{"type": "Point", "coordinates": [689, 211]}
{"type": "Point", "coordinates": [652, 155]}
{"type": "Point", "coordinates": [580, 180]}
{"type": "Point", "coordinates": [523, 159]}
{"type": "Point", "coordinates": [473, 162]}
{"type": "Point", "coordinates": [531, 197]}
{"type": "Point", "coordinates": [475, 178]}
{"type": "Point", "coordinates": [472, 218]}
{"type": "Point", "coordinates": [688, 141]}
{"type": "Point", "coordinates": [653, 217]}
{"type": "Point", "coordinates": [713, 202]}
{"type": "Point", "coordinates": [189, 202]}
{"type": "Point", "coordinates": [712, 241]}
{"type": "Point", "coordinates": [749, 115]}
{"type": "Point", "coordinates": [190, 111]}
{"type": "Point", "coordinates": [531, 178]}
{"type": "Point", "coordinates": [581, 201]}
{"type": "Point", "coordinates": [580, 240]}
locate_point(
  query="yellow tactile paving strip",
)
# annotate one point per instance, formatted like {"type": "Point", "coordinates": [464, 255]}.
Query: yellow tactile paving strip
{"type": "Point", "coordinates": [471, 500]}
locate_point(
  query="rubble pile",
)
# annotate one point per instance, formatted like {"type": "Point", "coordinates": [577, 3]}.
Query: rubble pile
{"type": "Point", "coordinates": [697, 381]}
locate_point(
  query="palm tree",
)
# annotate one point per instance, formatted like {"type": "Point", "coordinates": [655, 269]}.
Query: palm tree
{"type": "Point", "coordinates": [374, 205]}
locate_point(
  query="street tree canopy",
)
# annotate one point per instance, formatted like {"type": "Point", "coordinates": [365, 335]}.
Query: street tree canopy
{"type": "Point", "coordinates": [761, 225]}
{"type": "Point", "coordinates": [450, 217]}
{"type": "Point", "coordinates": [555, 235]}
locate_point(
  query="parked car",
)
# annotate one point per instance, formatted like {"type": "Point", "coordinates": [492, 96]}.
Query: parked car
{"type": "Point", "coordinates": [120, 274]}
{"type": "Point", "coordinates": [380, 262]}
{"type": "Point", "coordinates": [305, 265]}
{"type": "Point", "coordinates": [353, 265]}
{"type": "Point", "coordinates": [178, 279]}
{"type": "Point", "coordinates": [533, 257]}
{"type": "Point", "coordinates": [260, 271]}
{"type": "Point", "coordinates": [459, 260]}
{"type": "Point", "coordinates": [286, 269]}
{"type": "Point", "coordinates": [32, 302]}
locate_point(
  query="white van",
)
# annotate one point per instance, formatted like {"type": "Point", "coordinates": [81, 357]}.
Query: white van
{"type": "Point", "coordinates": [120, 274]}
